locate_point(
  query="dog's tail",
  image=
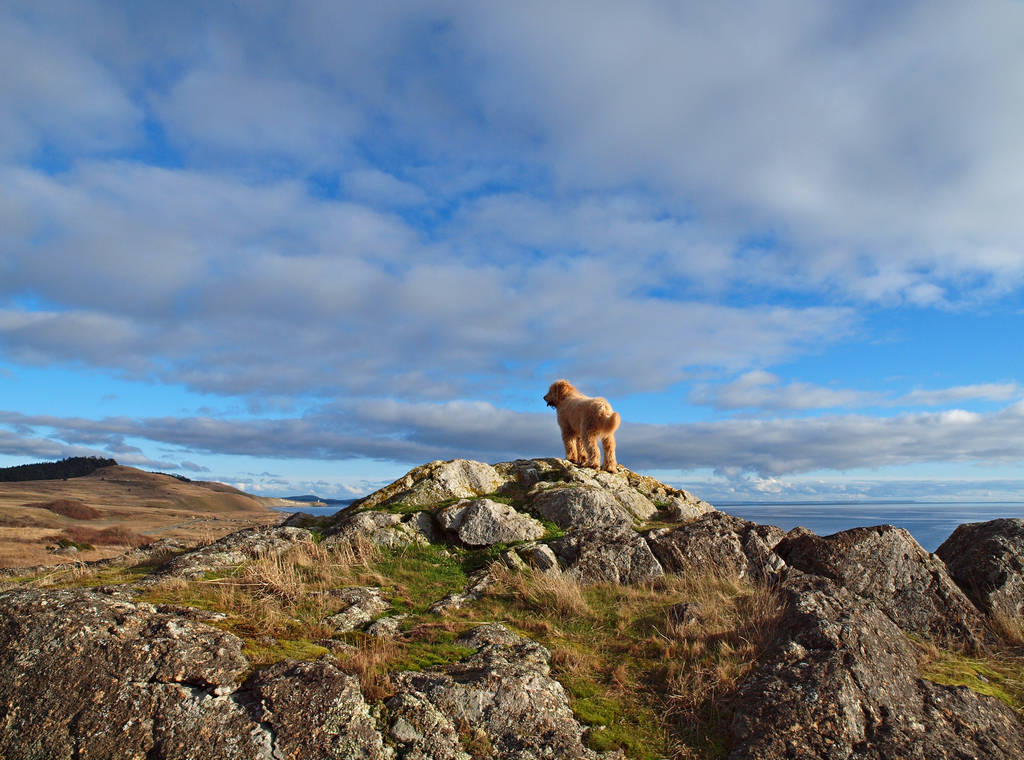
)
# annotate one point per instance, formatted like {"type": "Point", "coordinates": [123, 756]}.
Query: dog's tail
{"type": "Point", "coordinates": [613, 422]}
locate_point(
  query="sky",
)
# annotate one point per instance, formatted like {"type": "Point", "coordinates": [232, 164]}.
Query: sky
{"type": "Point", "coordinates": [303, 247]}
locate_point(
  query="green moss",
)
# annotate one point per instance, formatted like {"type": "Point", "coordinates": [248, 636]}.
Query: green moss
{"type": "Point", "coordinates": [551, 531]}
{"type": "Point", "coordinates": [117, 576]}
{"type": "Point", "coordinates": [67, 543]}
{"type": "Point", "coordinates": [424, 655]}
{"type": "Point", "coordinates": [267, 652]}
{"type": "Point", "coordinates": [421, 575]}
{"type": "Point", "coordinates": [618, 723]}
{"type": "Point", "coordinates": [999, 677]}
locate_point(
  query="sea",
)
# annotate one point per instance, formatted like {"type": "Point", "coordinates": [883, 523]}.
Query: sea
{"type": "Point", "coordinates": [930, 522]}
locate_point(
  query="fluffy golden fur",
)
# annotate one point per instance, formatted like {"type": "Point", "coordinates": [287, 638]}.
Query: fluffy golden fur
{"type": "Point", "coordinates": [583, 420]}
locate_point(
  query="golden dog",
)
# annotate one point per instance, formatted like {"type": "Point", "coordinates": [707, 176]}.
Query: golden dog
{"type": "Point", "coordinates": [582, 419]}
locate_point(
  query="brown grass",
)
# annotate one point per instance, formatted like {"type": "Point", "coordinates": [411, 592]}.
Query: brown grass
{"type": "Point", "coordinates": [1009, 628]}
{"type": "Point", "coordinates": [104, 536]}
{"type": "Point", "coordinates": [371, 662]}
{"type": "Point", "coordinates": [556, 591]}
{"type": "Point", "coordinates": [707, 658]}
{"type": "Point", "coordinates": [136, 502]}
{"type": "Point", "coordinates": [73, 508]}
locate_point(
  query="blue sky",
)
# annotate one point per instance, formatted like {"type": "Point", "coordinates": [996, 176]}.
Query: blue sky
{"type": "Point", "coordinates": [306, 246]}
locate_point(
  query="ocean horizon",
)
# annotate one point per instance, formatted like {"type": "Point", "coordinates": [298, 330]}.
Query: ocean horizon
{"type": "Point", "coordinates": [929, 522]}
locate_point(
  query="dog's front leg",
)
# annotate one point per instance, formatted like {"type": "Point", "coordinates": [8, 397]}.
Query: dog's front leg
{"type": "Point", "coordinates": [572, 453]}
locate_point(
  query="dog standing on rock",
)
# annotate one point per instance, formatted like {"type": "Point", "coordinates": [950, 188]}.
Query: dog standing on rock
{"type": "Point", "coordinates": [582, 419]}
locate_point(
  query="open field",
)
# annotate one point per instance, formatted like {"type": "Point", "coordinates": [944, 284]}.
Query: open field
{"type": "Point", "coordinates": [133, 507]}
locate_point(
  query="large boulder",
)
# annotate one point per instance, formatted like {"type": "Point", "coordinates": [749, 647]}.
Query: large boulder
{"type": "Point", "coordinates": [484, 522]}
{"type": "Point", "coordinates": [501, 700]}
{"type": "Point", "coordinates": [94, 675]}
{"type": "Point", "coordinates": [383, 528]}
{"type": "Point", "coordinates": [987, 561]}
{"type": "Point", "coordinates": [616, 554]}
{"type": "Point", "coordinates": [571, 508]}
{"type": "Point", "coordinates": [315, 711]}
{"type": "Point", "coordinates": [435, 482]}
{"type": "Point", "coordinates": [840, 680]}
{"type": "Point", "coordinates": [885, 564]}
{"type": "Point", "coordinates": [719, 543]}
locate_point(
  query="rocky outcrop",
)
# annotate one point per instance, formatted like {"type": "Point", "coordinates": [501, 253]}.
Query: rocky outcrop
{"type": "Point", "coordinates": [528, 480]}
{"type": "Point", "coordinates": [580, 508]}
{"type": "Point", "coordinates": [483, 522]}
{"type": "Point", "coordinates": [720, 542]}
{"type": "Point", "coordinates": [89, 674]}
{"type": "Point", "coordinates": [313, 710]}
{"type": "Point", "coordinates": [234, 549]}
{"type": "Point", "coordinates": [362, 604]}
{"type": "Point", "coordinates": [614, 555]}
{"type": "Point", "coordinates": [94, 675]}
{"type": "Point", "coordinates": [987, 561]}
{"type": "Point", "coordinates": [886, 565]}
{"type": "Point", "coordinates": [841, 681]}
{"type": "Point", "coordinates": [501, 701]}
{"type": "Point", "coordinates": [434, 482]}
{"type": "Point", "coordinates": [383, 528]}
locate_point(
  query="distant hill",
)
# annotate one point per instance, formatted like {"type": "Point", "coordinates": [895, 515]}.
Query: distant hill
{"type": "Point", "coordinates": [118, 501]}
{"type": "Point", "coordinates": [71, 467]}
{"type": "Point", "coordinates": [117, 486]}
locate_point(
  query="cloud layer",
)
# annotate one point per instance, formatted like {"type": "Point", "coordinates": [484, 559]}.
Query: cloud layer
{"type": "Point", "coordinates": [381, 228]}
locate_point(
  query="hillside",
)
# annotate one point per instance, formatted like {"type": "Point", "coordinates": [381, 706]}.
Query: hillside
{"type": "Point", "coordinates": [523, 610]}
{"type": "Point", "coordinates": [133, 507]}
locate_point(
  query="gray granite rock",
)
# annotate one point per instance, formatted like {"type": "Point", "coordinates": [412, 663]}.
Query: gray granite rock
{"type": "Point", "coordinates": [383, 528]}
{"type": "Point", "coordinates": [571, 508]}
{"type": "Point", "coordinates": [434, 482]}
{"type": "Point", "coordinates": [885, 564]}
{"type": "Point", "coordinates": [231, 550]}
{"type": "Point", "coordinates": [614, 555]}
{"type": "Point", "coordinates": [502, 699]}
{"type": "Point", "coordinates": [840, 680]}
{"type": "Point", "coordinates": [986, 560]}
{"type": "Point", "coordinates": [362, 604]}
{"type": "Point", "coordinates": [719, 543]}
{"type": "Point", "coordinates": [483, 522]}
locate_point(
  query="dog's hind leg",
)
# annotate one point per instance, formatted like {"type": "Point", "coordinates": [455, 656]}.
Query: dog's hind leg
{"type": "Point", "coordinates": [591, 456]}
{"type": "Point", "coordinates": [608, 443]}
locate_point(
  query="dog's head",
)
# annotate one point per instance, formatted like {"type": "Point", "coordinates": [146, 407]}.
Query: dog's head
{"type": "Point", "coordinates": [558, 391]}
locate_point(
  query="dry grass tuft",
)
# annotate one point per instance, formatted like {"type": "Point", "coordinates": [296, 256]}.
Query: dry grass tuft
{"type": "Point", "coordinates": [371, 662]}
{"type": "Point", "coordinates": [555, 591]}
{"type": "Point", "coordinates": [1009, 628]}
{"type": "Point", "coordinates": [708, 652]}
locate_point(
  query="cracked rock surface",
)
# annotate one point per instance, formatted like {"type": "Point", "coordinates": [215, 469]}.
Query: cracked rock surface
{"type": "Point", "coordinates": [987, 561]}
{"type": "Point", "coordinates": [886, 565]}
{"type": "Point", "coordinates": [233, 549]}
{"type": "Point", "coordinates": [91, 675]}
{"type": "Point", "coordinates": [502, 695]}
{"type": "Point", "coordinates": [841, 681]}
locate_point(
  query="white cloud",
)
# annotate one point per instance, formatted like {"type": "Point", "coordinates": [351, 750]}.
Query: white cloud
{"type": "Point", "coordinates": [761, 390]}
{"type": "Point", "coordinates": [420, 432]}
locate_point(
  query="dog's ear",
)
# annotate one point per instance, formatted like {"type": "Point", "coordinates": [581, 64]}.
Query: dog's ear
{"type": "Point", "coordinates": [558, 390]}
